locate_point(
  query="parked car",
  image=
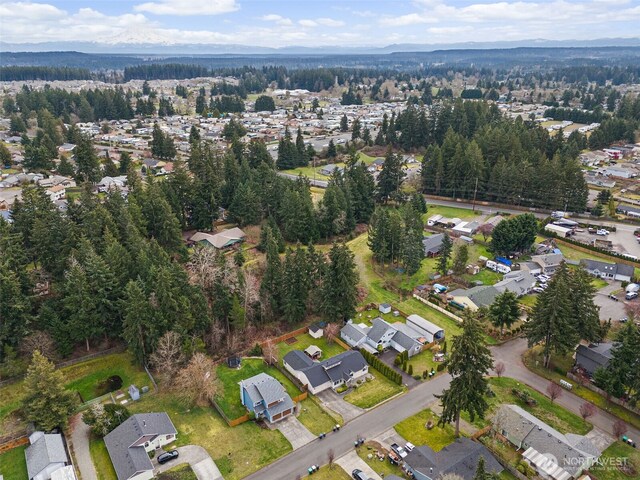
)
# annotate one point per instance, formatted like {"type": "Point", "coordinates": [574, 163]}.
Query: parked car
{"type": "Point", "coordinates": [409, 446]}
{"type": "Point", "coordinates": [394, 458]}
{"type": "Point", "coordinates": [538, 289]}
{"type": "Point", "coordinates": [624, 319]}
{"type": "Point", "coordinates": [543, 278]}
{"type": "Point", "coordinates": [558, 214]}
{"type": "Point", "coordinates": [613, 297]}
{"type": "Point", "coordinates": [167, 456]}
{"type": "Point", "coordinates": [359, 475]}
{"type": "Point", "coordinates": [602, 232]}
{"type": "Point", "coordinates": [631, 295]}
{"type": "Point", "coordinates": [399, 450]}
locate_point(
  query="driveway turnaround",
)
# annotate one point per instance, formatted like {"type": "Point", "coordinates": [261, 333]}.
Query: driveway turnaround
{"type": "Point", "coordinates": [295, 432]}
{"type": "Point", "coordinates": [335, 402]}
{"type": "Point", "coordinates": [196, 456]}
{"type": "Point", "coordinates": [351, 461]}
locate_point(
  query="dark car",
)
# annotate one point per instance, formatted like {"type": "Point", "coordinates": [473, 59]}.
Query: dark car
{"type": "Point", "coordinates": [359, 475]}
{"type": "Point", "coordinates": [167, 456]}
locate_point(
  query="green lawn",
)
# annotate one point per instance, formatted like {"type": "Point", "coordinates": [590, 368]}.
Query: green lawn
{"type": "Point", "coordinates": [450, 212]}
{"type": "Point", "coordinates": [13, 464]}
{"type": "Point", "coordinates": [326, 473]}
{"type": "Point", "coordinates": [528, 300]}
{"type": "Point", "coordinates": [229, 398]}
{"type": "Point", "coordinates": [612, 456]}
{"type": "Point", "coordinates": [181, 472]}
{"type": "Point", "coordinates": [315, 418]}
{"type": "Point", "coordinates": [422, 361]}
{"type": "Point", "coordinates": [371, 393]}
{"type": "Point", "coordinates": [101, 459]}
{"type": "Point", "coordinates": [83, 377]}
{"type": "Point", "coordinates": [237, 451]}
{"type": "Point", "coordinates": [413, 429]}
{"type": "Point", "coordinates": [384, 467]}
{"type": "Point", "coordinates": [551, 413]}
{"type": "Point", "coordinates": [303, 341]}
{"type": "Point", "coordinates": [565, 363]}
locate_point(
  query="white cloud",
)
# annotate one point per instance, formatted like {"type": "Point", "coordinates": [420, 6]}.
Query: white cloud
{"type": "Point", "coordinates": [279, 19]}
{"type": "Point", "coordinates": [188, 7]}
{"type": "Point", "coordinates": [330, 22]}
{"type": "Point", "coordinates": [308, 23]}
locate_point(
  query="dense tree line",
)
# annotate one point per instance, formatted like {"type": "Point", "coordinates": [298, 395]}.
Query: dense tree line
{"type": "Point", "coordinates": [576, 115]}
{"type": "Point", "coordinates": [13, 74]}
{"type": "Point", "coordinates": [168, 71]}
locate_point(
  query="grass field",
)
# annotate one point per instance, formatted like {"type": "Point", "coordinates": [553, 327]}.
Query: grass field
{"type": "Point", "coordinates": [237, 451]}
{"type": "Point", "coordinates": [381, 467]}
{"type": "Point", "coordinates": [229, 398]}
{"type": "Point", "coordinates": [371, 393]}
{"type": "Point", "coordinates": [305, 340]}
{"type": "Point", "coordinates": [326, 473]}
{"type": "Point", "coordinates": [181, 472]}
{"type": "Point", "coordinates": [612, 456]}
{"type": "Point", "coordinates": [413, 430]}
{"type": "Point", "coordinates": [422, 361]}
{"type": "Point", "coordinates": [315, 418]}
{"type": "Point", "coordinates": [13, 465]}
{"type": "Point", "coordinates": [101, 459]}
{"type": "Point", "coordinates": [547, 411]}
{"type": "Point", "coordinates": [83, 378]}
{"type": "Point", "coordinates": [450, 212]}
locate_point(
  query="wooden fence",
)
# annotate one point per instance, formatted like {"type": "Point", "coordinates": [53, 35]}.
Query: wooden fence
{"type": "Point", "coordinates": [9, 442]}
{"type": "Point", "coordinates": [286, 336]}
{"type": "Point", "coordinates": [438, 308]}
{"type": "Point", "coordinates": [301, 397]}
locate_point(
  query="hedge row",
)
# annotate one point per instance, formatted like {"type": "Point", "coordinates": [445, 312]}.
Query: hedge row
{"type": "Point", "coordinates": [382, 367]}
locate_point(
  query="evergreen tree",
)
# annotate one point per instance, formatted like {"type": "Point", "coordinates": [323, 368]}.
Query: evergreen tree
{"type": "Point", "coordinates": [271, 285]}
{"type": "Point", "coordinates": [504, 311]}
{"type": "Point", "coordinates": [481, 470]}
{"type": "Point", "coordinates": [265, 103]}
{"type": "Point", "coordinates": [245, 207]}
{"type": "Point", "coordinates": [295, 285]}
{"type": "Point", "coordinates": [550, 321]}
{"type": "Point", "coordinates": [87, 163]}
{"type": "Point", "coordinates": [585, 314]}
{"type": "Point", "coordinates": [301, 150]}
{"type": "Point", "coordinates": [140, 329]}
{"type": "Point", "coordinates": [355, 131]}
{"type": "Point", "coordinates": [445, 254]}
{"type": "Point", "coordinates": [339, 289]}
{"type": "Point", "coordinates": [331, 150]}
{"type": "Point", "coordinates": [14, 308]}
{"type": "Point", "coordinates": [344, 123]}
{"type": "Point", "coordinates": [125, 162]}
{"type": "Point", "coordinates": [390, 178]}
{"type": "Point", "coordinates": [468, 364]}
{"type": "Point", "coordinates": [460, 259]}
{"type": "Point", "coordinates": [620, 377]}
{"type": "Point", "coordinates": [287, 153]}
{"type": "Point", "coordinates": [65, 168]}
{"type": "Point", "coordinates": [5, 155]}
{"type": "Point", "coordinates": [46, 402]}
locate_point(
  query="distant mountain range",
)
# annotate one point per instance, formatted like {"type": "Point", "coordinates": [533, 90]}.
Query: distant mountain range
{"type": "Point", "coordinates": [126, 46]}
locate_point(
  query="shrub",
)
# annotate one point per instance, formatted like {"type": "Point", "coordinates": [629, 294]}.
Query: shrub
{"type": "Point", "coordinates": [425, 374]}
{"type": "Point", "coordinates": [416, 377]}
{"type": "Point", "coordinates": [397, 360]}
{"type": "Point", "coordinates": [256, 351]}
{"type": "Point", "coordinates": [410, 370]}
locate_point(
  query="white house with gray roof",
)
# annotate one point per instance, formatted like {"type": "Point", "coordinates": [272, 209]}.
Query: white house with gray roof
{"type": "Point", "coordinates": [552, 454]}
{"type": "Point", "coordinates": [608, 271]}
{"type": "Point", "coordinates": [129, 443]}
{"type": "Point", "coordinates": [343, 369]}
{"type": "Point", "coordinates": [45, 455]}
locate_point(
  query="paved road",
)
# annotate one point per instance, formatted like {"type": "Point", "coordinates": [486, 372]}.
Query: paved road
{"type": "Point", "coordinates": [315, 183]}
{"type": "Point", "coordinates": [80, 432]}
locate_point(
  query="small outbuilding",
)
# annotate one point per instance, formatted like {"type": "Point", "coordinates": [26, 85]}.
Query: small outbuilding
{"type": "Point", "coordinates": [316, 330]}
{"type": "Point", "coordinates": [134, 393]}
{"type": "Point", "coordinates": [313, 352]}
{"type": "Point", "coordinates": [234, 361]}
{"type": "Point", "coordinates": [384, 308]}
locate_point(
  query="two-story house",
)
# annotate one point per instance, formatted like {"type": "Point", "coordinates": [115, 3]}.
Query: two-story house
{"type": "Point", "coordinates": [129, 443]}
{"type": "Point", "coordinates": [266, 398]}
{"type": "Point", "coordinates": [343, 369]}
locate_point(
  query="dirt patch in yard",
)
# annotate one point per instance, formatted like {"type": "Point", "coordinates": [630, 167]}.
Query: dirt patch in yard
{"type": "Point", "coordinates": [291, 341]}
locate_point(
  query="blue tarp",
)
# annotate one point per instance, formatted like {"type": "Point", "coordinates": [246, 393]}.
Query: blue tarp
{"type": "Point", "coordinates": [504, 261]}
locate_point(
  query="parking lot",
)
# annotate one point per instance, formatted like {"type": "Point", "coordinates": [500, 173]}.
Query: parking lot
{"type": "Point", "coordinates": [622, 239]}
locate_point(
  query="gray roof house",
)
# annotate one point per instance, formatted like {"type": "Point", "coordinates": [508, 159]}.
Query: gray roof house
{"type": "Point", "coordinates": [343, 369]}
{"type": "Point", "coordinates": [552, 454]}
{"type": "Point", "coordinates": [548, 262]}
{"type": "Point", "coordinates": [608, 271]}
{"type": "Point", "coordinates": [591, 357]}
{"type": "Point", "coordinates": [459, 458]}
{"type": "Point", "coordinates": [129, 443]}
{"type": "Point", "coordinates": [518, 282]}
{"type": "Point", "coordinates": [432, 244]}
{"type": "Point", "coordinates": [45, 455]}
{"type": "Point", "coordinates": [382, 335]}
{"type": "Point", "coordinates": [476, 297]}
{"type": "Point", "coordinates": [266, 397]}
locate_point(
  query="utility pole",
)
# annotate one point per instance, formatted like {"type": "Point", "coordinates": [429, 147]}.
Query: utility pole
{"type": "Point", "coordinates": [475, 191]}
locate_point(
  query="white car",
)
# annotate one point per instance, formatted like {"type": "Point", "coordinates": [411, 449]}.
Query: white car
{"type": "Point", "coordinates": [602, 232]}
{"type": "Point", "coordinates": [538, 289]}
{"type": "Point", "coordinates": [409, 446]}
{"type": "Point", "coordinates": [543, 278]}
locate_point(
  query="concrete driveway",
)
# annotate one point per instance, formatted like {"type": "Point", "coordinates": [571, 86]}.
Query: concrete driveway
{"type": "Point", "coordinates": [295, 432]}
{"type": "Point", "coordinates": [80, 433]}
{"type": "Point", "coordinates": [196, 456]}
{"type": "Point", "coordinates": [335, 402]}
{"type": "Point", "coordinates": [351, 461]}
{"type": "Point", "coordinates": [610, 309]}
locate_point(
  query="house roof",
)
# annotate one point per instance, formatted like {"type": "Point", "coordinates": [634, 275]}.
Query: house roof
{"type": "Point", "coordinates": [263, 387]}
{"type": "Point", "coordinates": [404, 340]}
{"type": "Point", "coordinates": [433, 243]}
{"type": "Point", "coordinates": [609, 268]}
{"type": "Point", "coordinates": [128, 460]}
{"type": "Point", "coordinates": [548, 259]}
{"type": "Point", "coordinates": [416, 322]}
{"type": "Point", "coordinates": [530, 431]}
{"type": "Point", "coordinates": [334, 368]}
{"type": "Point", "coordinates": [47, 449]}
{"type": "Point", "coordinates": [312, 350]}
{"type": "Point", "coordinates": [354, 332]}
{"type": "Point", "coordinates": [600, 353]}
{"type": "Point", "coordinates": [297, 360]}
{"type": "Point", "coordinates": [378, 328]}
{"type": "Point", "coordinates": [519, 282]}
{"type": "Point", "coordinates": [221, 239]}
{"type": "Point", "coordinates": [460, 457]}
{"type": "Point", "coordinates": [482, 295]}
{"type": "Point", "coordinates": [315, 327]}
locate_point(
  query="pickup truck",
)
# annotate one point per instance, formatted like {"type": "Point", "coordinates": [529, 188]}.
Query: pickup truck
{"type": "Point", "coordinates": [398, 450]}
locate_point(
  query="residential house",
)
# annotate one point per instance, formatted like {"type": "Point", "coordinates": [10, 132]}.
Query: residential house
{"type": "Point", "coordinates": [45, 454]}
{"type": "Point", "coordinates": [112, 183]}
{"type": "Point", "coordinates": [559, 230]}
{"type": "Point", "coordinates": [593, 356]}
{"type": "Point", "coordinates": [433, 244]}
{"type": "Point", "coordinates": [466, 228]}
{"type": "Point", "coordinates": [608, 271]}
{"type": "Point", "coordinates": [433, 220]}
{"type": "Point", "coordinates": [548, 263]}
{"type": "Point", "coordinates": [130, 442]}
{"type": "Point", "coordinates": [329, 169]}
{"type": "Point", "coordinates": [620, 172]}
{"type": "Point", "coordinates": [220, 240]}
{"type": "Point", "coordinates": [518, 282]}
{"type": "Point", "coordinates": [344, 369]}
{"type": "Point", "coordinates": [57, 180]}
{"type": "Point", "coordinates": [56, 193]}
{"type": "Point", "coordinates": [66, 148]}
{"type": "Point", "coordinates": [459, 458]}
{"type": "Point", "coordinates": [475, 297]}
{"type": "Point", "coordinates": [266, 398]}
{"type": "Point", "coordinates": [550, 453]}
{"type": "Point", "coordinates": [316, 330]}
{"type": "Point", "coordinates": [495, 220]}
{"type": "Point", "coordinates": [430, 331]}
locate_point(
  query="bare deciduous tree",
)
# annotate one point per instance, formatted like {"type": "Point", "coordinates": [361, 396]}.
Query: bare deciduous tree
{"type": "Point", "coordinates": [486, 230]}
{"type": "Point", "coordinates": [41, 341]}
{"type": "Point", "coordinates": [168, 356]}
{"type": "Point", "coordinates": [331, 331]}
{"type": "Point", "coordinates": [196, 383]}
{"type": "Point", "coordinates": [619, 428]}
{"type": "Point", "coordinates": [499, 369]}
{"type": "Point", "coordinates": [270, 353]}
{"type": "Point", "coordinates": [587, 410]}
{"type": "Point", "coordinates": [331, 455]}
{"type": "Point", "coordinates": [554, 391]}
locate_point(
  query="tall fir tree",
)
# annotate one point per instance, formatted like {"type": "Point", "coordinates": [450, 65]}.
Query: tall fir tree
{"type": "Point", "coordinates": [340, 284]}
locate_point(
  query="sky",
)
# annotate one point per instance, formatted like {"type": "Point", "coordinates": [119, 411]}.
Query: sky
{"type": "Point", "coordinates": [278, 23]}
